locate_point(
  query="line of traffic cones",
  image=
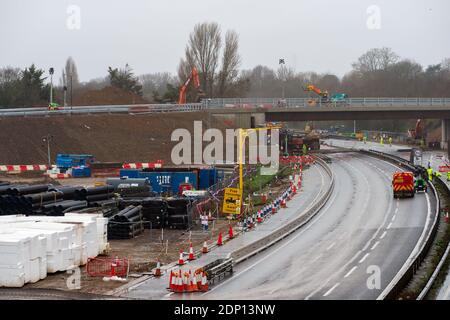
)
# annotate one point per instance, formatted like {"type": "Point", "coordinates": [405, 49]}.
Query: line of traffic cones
{"type": "Point", "coordinates": [180, 281]}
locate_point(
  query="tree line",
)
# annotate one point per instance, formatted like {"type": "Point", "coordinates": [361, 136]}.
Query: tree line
{"type": "Point", "coordinates": [379, 72]}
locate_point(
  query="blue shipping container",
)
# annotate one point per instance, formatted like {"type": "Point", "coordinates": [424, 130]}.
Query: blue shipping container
{"type": "Point", "coordinates": [130, 173]}
{"type": "Point", "coordinates": [66, 161]}
{"type": "Point", "coordinates": [172, 179]}
{"type": "Point", "coordinates": [207, 177]}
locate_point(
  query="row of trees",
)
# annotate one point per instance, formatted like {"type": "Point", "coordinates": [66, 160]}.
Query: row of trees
{"type": "Point", "coordinates": [379, 72]}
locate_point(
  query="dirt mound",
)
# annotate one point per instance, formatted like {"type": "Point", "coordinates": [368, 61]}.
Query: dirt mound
{"type": "Point", "coordinates": [115, 138]}
{"type": "Point", "coordinates": [107, 96]}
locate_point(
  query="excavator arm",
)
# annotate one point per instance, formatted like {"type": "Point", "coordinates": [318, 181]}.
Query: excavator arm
{"type": "Point", "coordinates": [192, 77]}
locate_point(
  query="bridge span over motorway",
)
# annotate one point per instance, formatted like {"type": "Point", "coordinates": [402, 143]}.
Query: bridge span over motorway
{"type": "Point", "coordinates": [247, 112]}
{"type": "Point", "coordinates": [351, 109]}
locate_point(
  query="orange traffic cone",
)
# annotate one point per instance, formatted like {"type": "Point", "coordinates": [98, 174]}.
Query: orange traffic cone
{"type": "Point", "coordinates": [230, 233]}
{"type": "Point", "coordinates": [259, 219]}
{"type": "Point", "coordinates": [181, 260]}
{"type": "Point", "coordinates": [204, 248]}
{"type": "Point", "coordinates": [283, 203]}
{"type": "Point", "coordinates": [191, 253]}
{"type": "Point", "coordinates": [171, 281]}
{"type": "Point", "coordinates": [194, 286]}
{"type": "Point", "coordinates": [204, 286]}
{"type": "Point", "coordinates": [219, 239]}
{"type": "Point", "coordinates": [158, 269]}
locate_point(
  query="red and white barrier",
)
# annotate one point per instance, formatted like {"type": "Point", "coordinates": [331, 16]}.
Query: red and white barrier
{"type": "Point", "coordinates": [143, 165]}
{"type": "Point", "coordinates": [23, 167]}
{"type": "Point", "coordinates": [59, 175]}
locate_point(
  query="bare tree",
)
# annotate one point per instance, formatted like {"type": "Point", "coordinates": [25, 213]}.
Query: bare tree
{"type": "Point", "coordinates": [203, 51]}
{"type": "Point", "coordinates": [230, 62]}
{"type": "Point", "coordinates": [71, 74]}
{"type": "Point", "coordinates": [375, 59]}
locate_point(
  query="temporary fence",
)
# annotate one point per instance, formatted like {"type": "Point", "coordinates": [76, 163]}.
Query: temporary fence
{"type": "Point", "coordinates": [108, 267]}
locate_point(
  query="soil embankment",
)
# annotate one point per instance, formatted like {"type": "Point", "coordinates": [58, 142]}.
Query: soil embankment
{"type": "Point", "coordinates": [110, 138]}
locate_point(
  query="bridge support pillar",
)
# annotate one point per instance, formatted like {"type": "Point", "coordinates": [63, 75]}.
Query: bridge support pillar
{"type": "Point", "coordinates": [445, 125]}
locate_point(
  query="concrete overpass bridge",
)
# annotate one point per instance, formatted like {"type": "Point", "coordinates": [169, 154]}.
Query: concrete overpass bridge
{"type": "Point", "coordinates": [250, 112]}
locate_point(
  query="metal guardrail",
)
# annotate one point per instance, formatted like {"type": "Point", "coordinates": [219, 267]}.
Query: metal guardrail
{"type": "Point", "coordinates": [284, 231]}
{"type": "Point", "coordinates": [410, 267]}
{"type": "Point", "coordinates": [433, 277]}
{"type": "Point", "coordinates": [305, 102]}
{"type": "Point", "coordinates": [220, 103]}
{"type": "Point", "coordinates": [131, 109]}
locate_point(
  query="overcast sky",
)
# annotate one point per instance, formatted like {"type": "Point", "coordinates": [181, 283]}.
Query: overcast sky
{"type": "Point", "coordinates": [150, 35]}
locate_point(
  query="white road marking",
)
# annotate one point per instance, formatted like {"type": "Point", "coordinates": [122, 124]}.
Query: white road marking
{"type": "Point", "coordinates": [331, 246]}
{"type": "Point", "coordinates": [331, 290]}
{"type": "Point", "coordinates": [383, 235]}
{"type": "Point", "coordinates": [307, 227]}
{"type": "Point", "coordinates": [169, 294]}
{"type": "Point", "coordinates": [389, 226]}
{"type": "Point", "coordinates": [375, 245]}
{"type": "Point", "coordinates": [350, 272]}
{"type": "Point", "coordinates": [317, 258]}
{"type": "Point", "coordinates": [393, 217]}
{"type": "Point", "coordinates": [364, 258]}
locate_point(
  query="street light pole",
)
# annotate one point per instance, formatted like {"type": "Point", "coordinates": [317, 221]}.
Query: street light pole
{"type": "Point", "coordinates": [71, 91]}
{"type": "Point", "coordinates": [51, 71]}
{"type": "Point", "coordinates": [281, 63]}
{"type": "Point", "coordinates": [47, 139]}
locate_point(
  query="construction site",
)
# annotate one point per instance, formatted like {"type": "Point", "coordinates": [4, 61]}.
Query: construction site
{"type": "Point", "coordinates": [218, 169]}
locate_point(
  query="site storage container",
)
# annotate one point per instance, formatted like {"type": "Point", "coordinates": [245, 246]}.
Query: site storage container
{"type": "Point", "coordinates": [172, 179]}
{"type": "Point", "coordinates": [81, 172]}
{"type": "Point", "coordinates": [130, 173]}
{"type": "Point", "coordinates": [66, 161]}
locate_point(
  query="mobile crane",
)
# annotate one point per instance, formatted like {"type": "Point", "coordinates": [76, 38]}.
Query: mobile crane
{"type": "Point", "coordinates": [192, 77]}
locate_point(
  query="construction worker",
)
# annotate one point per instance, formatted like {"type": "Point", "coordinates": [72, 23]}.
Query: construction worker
{"type": "Point", "coordinates": [390, 141]}
{"type": "Point", "coordinates": [448, 175]}
{"type": "Point", "coordinates": [430, 173]}
{"type": "Point", "coordinates": [204, 219]}
{"type": "Point", "coordinates": [364, 139]}
{"type": "Point", "coordinates": [381, 140]}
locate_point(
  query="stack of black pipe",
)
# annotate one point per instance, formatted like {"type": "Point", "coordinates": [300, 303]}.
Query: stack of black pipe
{"type": "Point", "coordinates": [38, 199]}
{"type": "Point", "coordinates": [126, 224]}
{"type": "Point", "coordinates": [95, 194]}
{"type": "Point", "coordinates": [179, 213]}
{"type": "Point", "coordinates": [154, 211]}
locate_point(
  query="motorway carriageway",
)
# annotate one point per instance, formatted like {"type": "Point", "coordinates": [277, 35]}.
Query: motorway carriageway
{"type": "Point", "coordinates": [315, 184]}
{"type": "Point", "coordinates": [435, 158]}
{"type": "Point", "coordinates": [360, 230]}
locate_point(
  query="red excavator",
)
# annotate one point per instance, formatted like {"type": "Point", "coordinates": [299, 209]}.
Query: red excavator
{"type": "Point", "coordinates": [417, 132]}
{"type": "Point", "coordinates": [193, 76]}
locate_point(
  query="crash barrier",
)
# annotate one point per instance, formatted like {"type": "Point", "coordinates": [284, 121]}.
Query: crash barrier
{"type": "Point", "coordinates": [23, 167]}
{"type": "Point", "coordinates": [218, 270]}
{"type": "Point", "coordinates": [108, 267]}
{"type": "Point", "coordinates": [433, 277]}
{"type": "Point", "coordinates": [131, 109]}
{"type": "Point", "coordinates": [181, 281]}
{"type": "Point", "coordinates": [420, 251]}
{"type": "Point", "coordinates": [445, 168]}
{"type": "Point", "coordinates": [284, 231]}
